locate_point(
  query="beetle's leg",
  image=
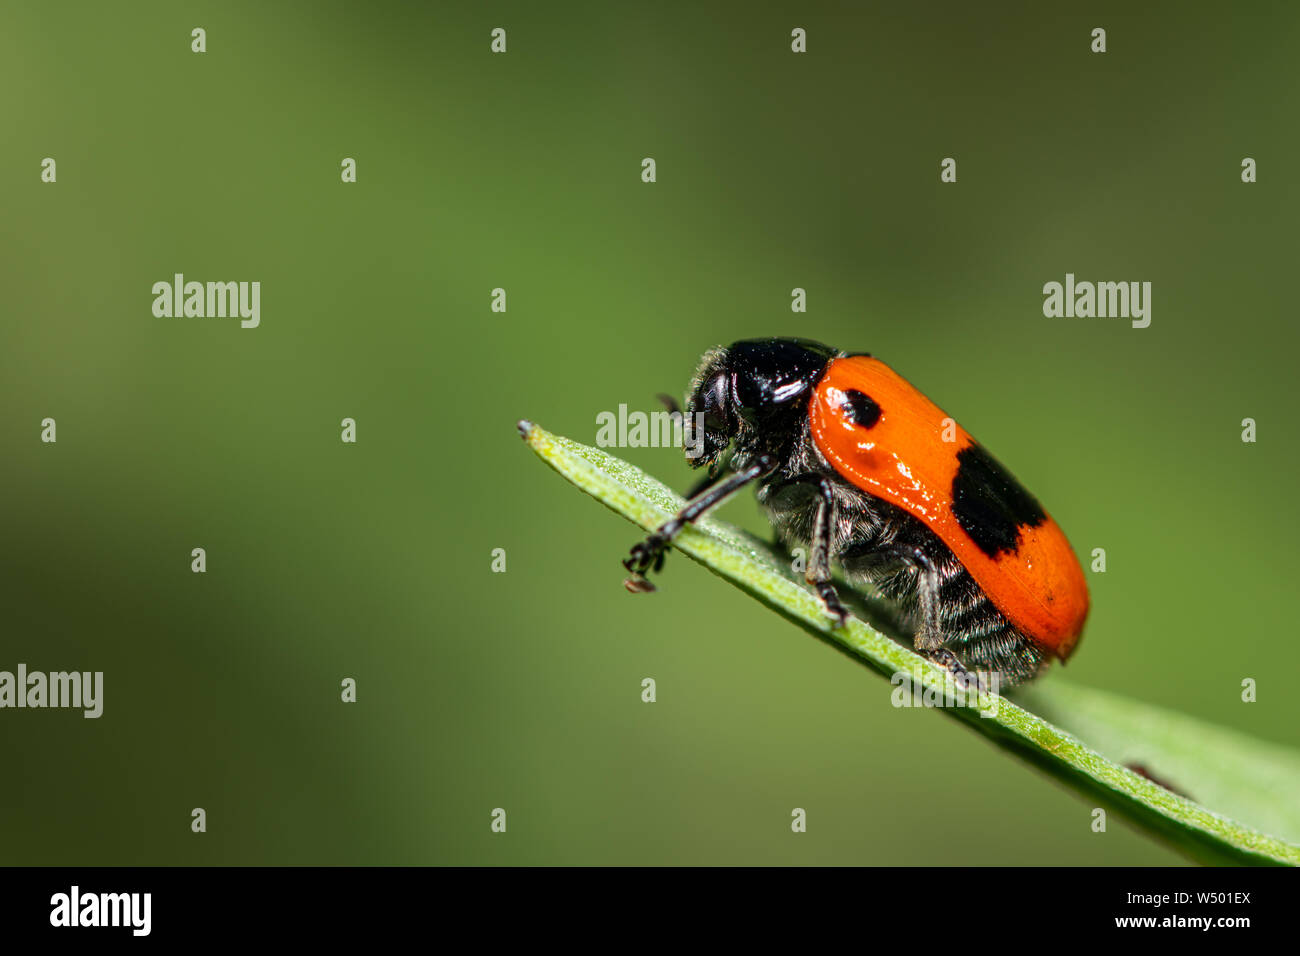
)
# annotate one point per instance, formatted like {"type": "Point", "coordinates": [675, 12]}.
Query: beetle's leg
{"type": "Point", "coordinates": [701, 486]}
{"type": "Point", "coordinates": [882, 558]}
{"type": "Point", "coordinates": [929, 637]}
{"type": "Point", "coordinates": [649, 554]}
{"type": "Point", "coordinates": [950, 662]}
{"type": "Point", "coordinates": [818, 572]}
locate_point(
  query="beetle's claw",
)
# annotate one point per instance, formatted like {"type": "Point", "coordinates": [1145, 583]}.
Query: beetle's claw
{"type": "Point", "coordinates": [645, 556]}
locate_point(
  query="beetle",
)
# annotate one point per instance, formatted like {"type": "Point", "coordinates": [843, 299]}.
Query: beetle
{"type": "Point", "coordinates": [854, 463]}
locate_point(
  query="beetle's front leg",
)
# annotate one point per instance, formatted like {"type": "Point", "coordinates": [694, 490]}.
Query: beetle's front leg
{"type": "Point", "coordinates": [649, 554]}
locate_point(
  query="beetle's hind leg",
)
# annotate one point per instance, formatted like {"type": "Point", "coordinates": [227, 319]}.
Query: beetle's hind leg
{"type": "Point", "coordinates": [907, 574]}
{"type": "Point", "coordinates": [964, 677]}
{"type": "Point", "coordinates": [929, 638]}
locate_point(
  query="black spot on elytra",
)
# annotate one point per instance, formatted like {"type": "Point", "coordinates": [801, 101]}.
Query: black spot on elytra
{"type": "Point", "coordinates": [989, 504]}
{"type": "Point", "coordinates": [861, 409]}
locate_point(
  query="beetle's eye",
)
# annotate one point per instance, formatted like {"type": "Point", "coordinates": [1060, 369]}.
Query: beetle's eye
{"type": "Point", "coordinates": [717, 415]}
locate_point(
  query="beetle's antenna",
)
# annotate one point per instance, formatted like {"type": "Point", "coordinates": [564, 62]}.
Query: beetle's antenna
{"type": "Point", "coordinates": [670, 403]}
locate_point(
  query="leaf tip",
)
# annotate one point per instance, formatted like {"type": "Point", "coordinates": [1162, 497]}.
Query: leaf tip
{"type": "Point", "coordinates": [525, 428]}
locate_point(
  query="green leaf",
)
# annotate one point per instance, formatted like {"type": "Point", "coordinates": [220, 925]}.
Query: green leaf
{"type": "Point", "coordinates": [1245, 779]}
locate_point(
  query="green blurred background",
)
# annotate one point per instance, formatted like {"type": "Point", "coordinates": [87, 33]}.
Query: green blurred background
{"type": "Point", "coordinates": [522, 690]}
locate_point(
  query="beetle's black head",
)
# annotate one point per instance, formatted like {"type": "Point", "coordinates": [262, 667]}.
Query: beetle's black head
{"type": "Point", "coordinates": [753, 394]}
